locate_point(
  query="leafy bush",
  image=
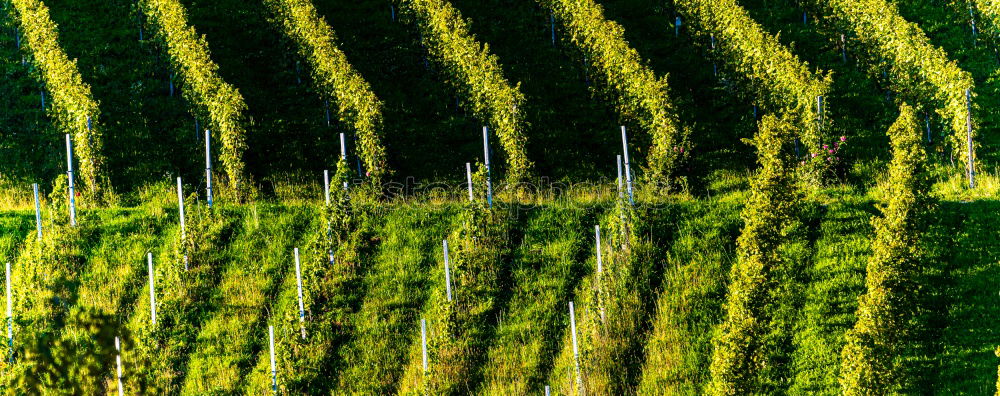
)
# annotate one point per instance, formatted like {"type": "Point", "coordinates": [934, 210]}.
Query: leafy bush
{"type": "Point", "coordinates": [73, 105]}
{"type": "Point", "coordinates": [337, 79]}
{"type": "Point", "coordinates": [869, 358]}
{"type": "Point", "coordinates": [642, 97]}
{"type": "Point", "coordinates": [204, 88]}
{"type": "Point", "coordinates": [474, 71]}
{"type": "Point", "coordinates": [917, 70]}
{"type": "Point", "coordinates": [773, 72]}
{"type": "Point", "coordinates": [740, 344]}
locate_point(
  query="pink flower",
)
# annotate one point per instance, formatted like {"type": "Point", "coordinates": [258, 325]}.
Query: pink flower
{"type": "Point", "coordinates": [368, 174]}
{"type": "Point", "coordinates": [843, 138]}
{"type": "Point", "coordinates": [831, 151]}
{"type": "Point", "coordinates": [814, 155]}
{"type": "Point", "coordinates": [838, 158]}
{"type": "Point", "coordinates": [829, 159]}
{"type": "Point", "coordinates": [803, 163]}
{"type": "Point", "coordinates": [825, 147]}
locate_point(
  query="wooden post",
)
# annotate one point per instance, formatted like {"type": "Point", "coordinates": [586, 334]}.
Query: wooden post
{"type": "Point", "coordinates": [628, 168]}
{"type": "Point", "coordinates": [576, 350]}
{"type": "Point", "coordinates": [208, 165]}
{"type": "Point", "coordinates": [298, 282]}
{"type": "Point", "coordinates": [69, 174]}
{"type": "Point", "coordinates": [468, 178]}
{"type": "Point", "coordinates": [447, 271]}
{"type": "Point", "coordinates": [38, 212]}
{"type": "Point", "coordinates": [152, 289]}
{"type": "Point", "coordinates": [486, 154]}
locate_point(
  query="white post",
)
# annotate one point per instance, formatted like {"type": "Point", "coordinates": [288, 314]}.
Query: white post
{"type": "Point", "coordinates": [69, 173]}
{"type": "Point", "coordinates": [10, 316]}
{"type": "Point", "coordinates": [468, 178]}
{"type": "Point", "coordinates": [343, 147]}
{"type": "Point", "coordinates": [180, 208]}
{"type": "Point", "coordinates": [547, 391]}
{"type": "Point", "coordinates": [274, 371]}
{"type": "Point", "coordinates": [600, 265]}
{"type": "Point", "coordinates": [576, 351]}
{"type": "Point", "coordinates": [628, 168]}
{"type": "Point", "coordinates": [343, 152]}
{"type": "Point", "coordinates": [326, 186]}
{"type": "Point", "coordinates": [38, 212]}
{"type": "Point", "coordinates": [208, 165]}
{"type": "Point", "coordinates": [118, 360]}
{"type": "Point", "coordinates": [152, 289]}
{"type": "Point", "coordinates": [298, 281]}
{"type": "Point", "coordinates": [486, 155]}
{"type": "Point", "coordinates": [423, 342]}
{"type": "Point", "coordinates": [597, 233]}
{"type": "Point", "coordinates": [447, 271]}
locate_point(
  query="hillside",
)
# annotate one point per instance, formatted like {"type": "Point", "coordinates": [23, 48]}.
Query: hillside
{"type": "Point", "coordinates": [798, 218]}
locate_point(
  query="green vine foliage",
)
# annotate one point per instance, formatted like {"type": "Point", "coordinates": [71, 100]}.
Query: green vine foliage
{"type": "Point", "coordinates": [918, 71]}
{"type": "Point", "coordinates": [739, 347]}
{"type": "Point", "coordinates": [72, 102]}
{"type": "Point", "coordinates": [459, 331]}
{"type": "Point", "coordinates": [477, 75]}
{"type": "Point", "coordinates": [774, 73]}
{"type": "Point", "coordinates": [336, 79]}
{"type": "Point", "coordinates": [222, 102]}
{"type": "Point", "coordinates": [869, 359]}
{"type": "Point", "coordinates": [642, 97]}
{"type": "Point", "coordinates": [998, 373]}
{"type": "Point", "coordinates": [990, 10]}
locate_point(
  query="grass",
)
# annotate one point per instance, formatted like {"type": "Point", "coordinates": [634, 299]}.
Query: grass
{"type": "Point", "coordinates": [546, 268]}
{"type": "Point", "coordinates": [407, 265]}
{"type": "Point", "coordinates": [837, 279]}
{"type": "Point", "coordinates": [690, 305]}
{"type": "Point", "coordinates": [363, 320]}
{"type": "Point", "coordinates": [234, 332]}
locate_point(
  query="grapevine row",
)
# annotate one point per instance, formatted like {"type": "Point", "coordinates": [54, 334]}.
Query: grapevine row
{"type": "Point", "coordinates": [643, 98]}
{"type": "Point", "coordinates": [774, 73]}
{"type": "Point", "coordinates": [918, 71]}
{"type": "Point", "coordinates": [73, 105]}
{"type": "Point", "coordinates": [336, 79]}
{"type": "Point", "coordinates": [460, 330]}
{"type": "Point", "coordinates": [477, 74]}
{"type": "Point", "coordinates": [869, 358]}
{"type": "Point", "coordinates": [222, 102]}
{"type": "Point", "coordinates": [740, 354]}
